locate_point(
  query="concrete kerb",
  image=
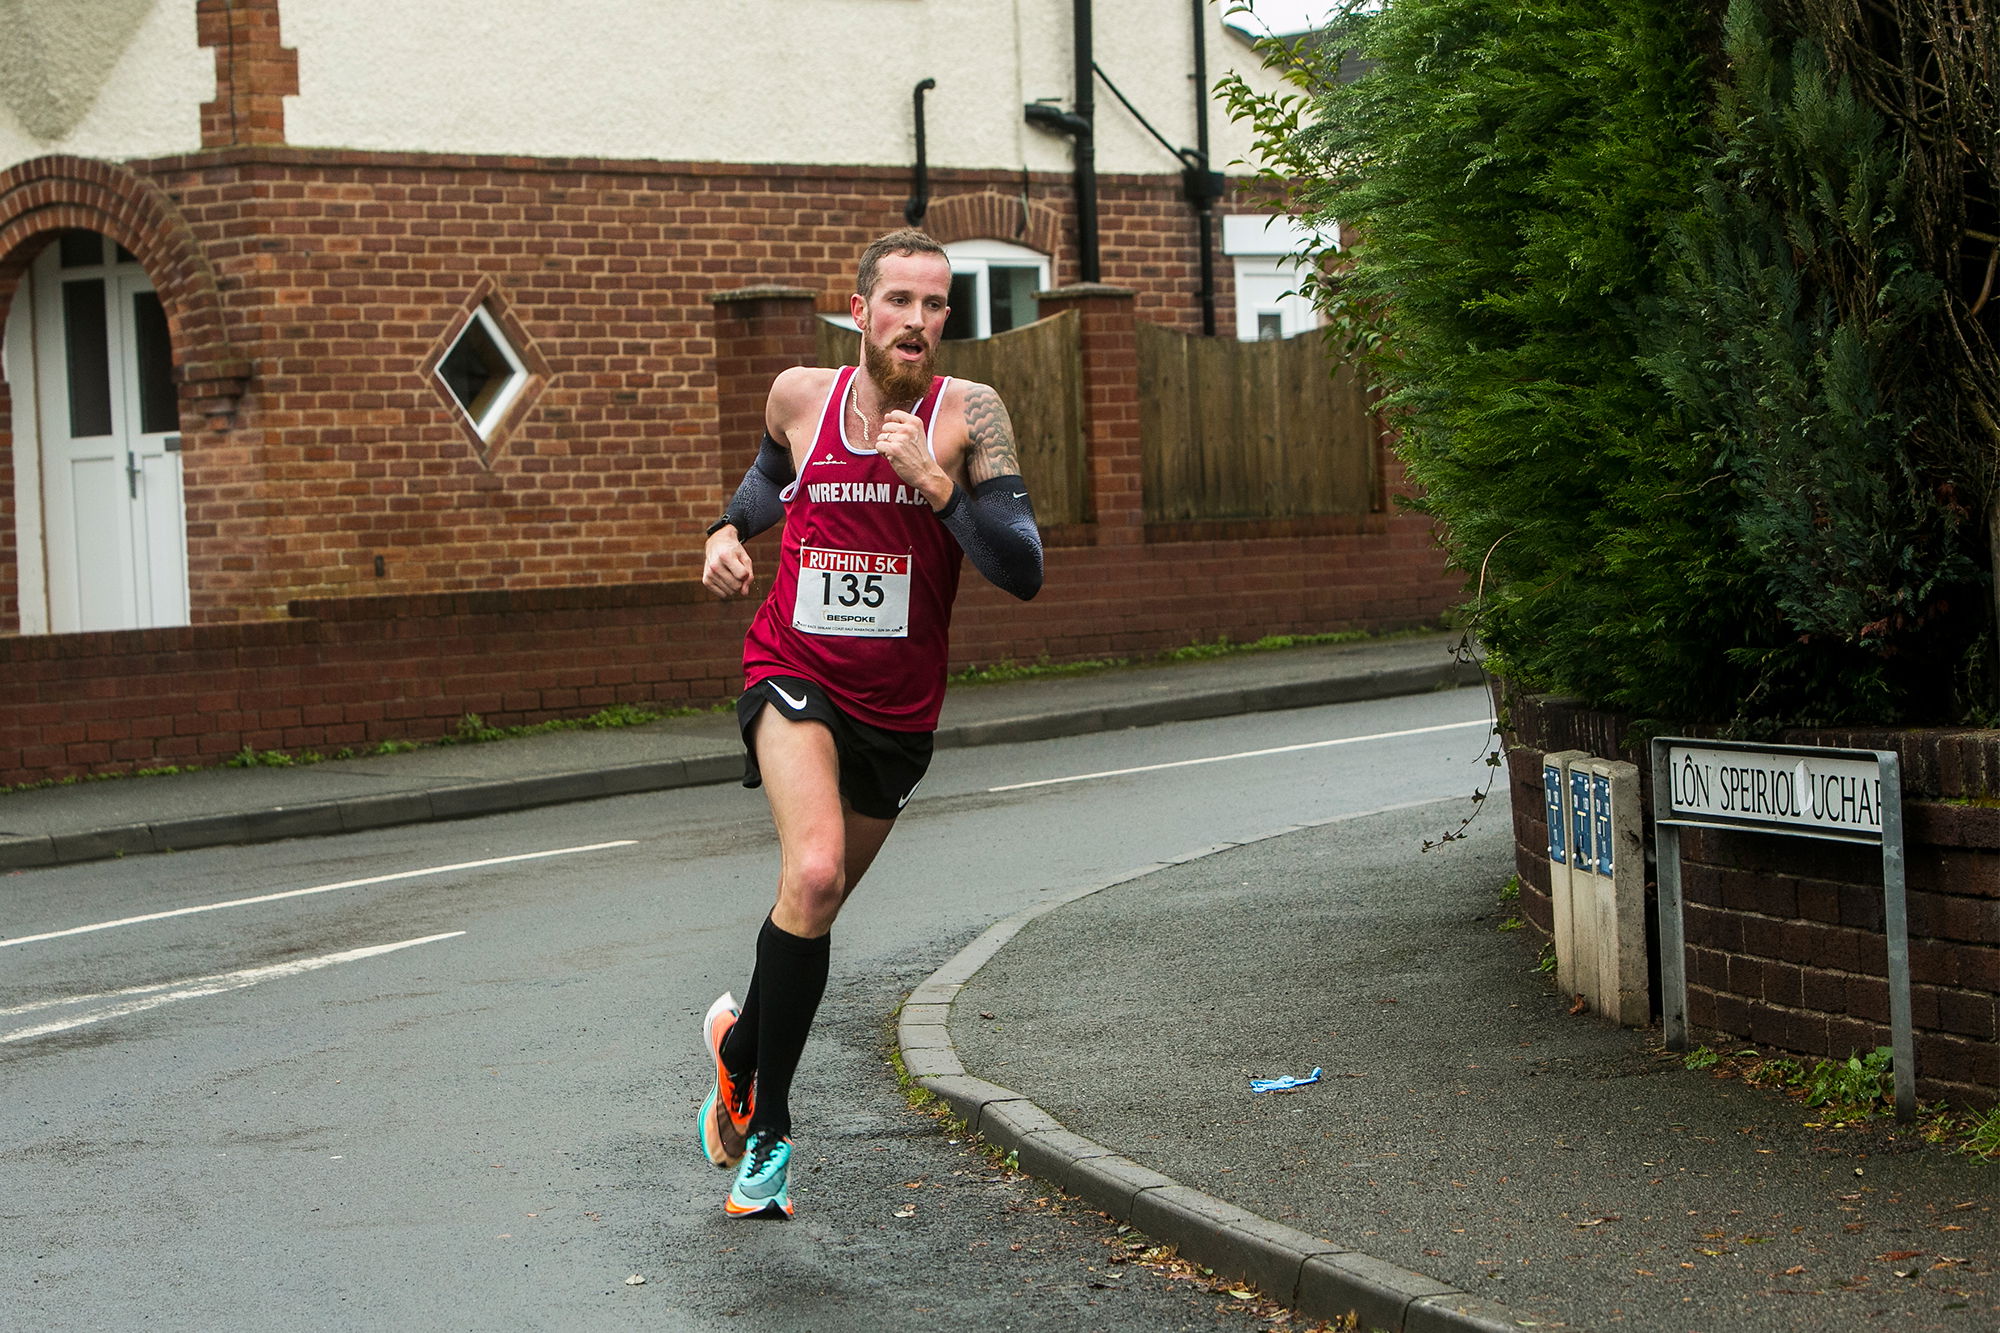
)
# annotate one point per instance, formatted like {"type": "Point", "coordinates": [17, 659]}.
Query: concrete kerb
{"type": "Point", "coordinates": [104, 843]}
{"type": "Point", "coordinates": [1319, 1278]}
{"type": "Point", "coordinates": [1456, 1312]}
{"type": "Point", "coordinates": [27, 851]}
{"type": "Point", "coordinates": [1378, 1294]}
{"type": "Point", "coordinates": [356, 814]}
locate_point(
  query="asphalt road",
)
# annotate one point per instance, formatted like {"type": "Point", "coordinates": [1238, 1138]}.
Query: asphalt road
{"type": "Point", "coordinates": [442, 1076]}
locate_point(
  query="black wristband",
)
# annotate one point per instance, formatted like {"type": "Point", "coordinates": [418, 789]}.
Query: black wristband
{"type": "Point", "coordinates": [727, 520]}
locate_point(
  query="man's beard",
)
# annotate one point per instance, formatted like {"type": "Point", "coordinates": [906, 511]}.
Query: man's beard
{"type": "Point", "coordinates": [900, 381]}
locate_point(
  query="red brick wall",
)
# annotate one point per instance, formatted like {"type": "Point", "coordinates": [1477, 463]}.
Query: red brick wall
{"type": "Point", "coordinates": [1148, 239]}
{"type": "Point", "coordinates": [1785, 943]}
{"type": "Point", "coordinates": [354, 672]}
{"type": "Point", "coordinates": [1157, 253]}
{"type": "Point", "coordinates": [310, 291]}
{"type": "Point", "coordinates": [254, 72]}
{"type": "Point", "coordinates": [326, 283]}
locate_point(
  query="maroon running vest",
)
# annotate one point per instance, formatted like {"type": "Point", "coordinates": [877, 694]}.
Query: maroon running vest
{"type": "Point", "coordinates": [866, 577]}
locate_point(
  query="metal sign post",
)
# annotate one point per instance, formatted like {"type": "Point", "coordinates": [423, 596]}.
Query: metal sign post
{"type": "Point", "coordinates": [1800, 791]}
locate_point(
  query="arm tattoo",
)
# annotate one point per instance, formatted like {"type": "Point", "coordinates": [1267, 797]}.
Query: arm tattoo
{"type": "Point", "coordinates": [989, 436]}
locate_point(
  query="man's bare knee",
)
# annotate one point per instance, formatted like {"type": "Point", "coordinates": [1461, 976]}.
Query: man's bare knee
{"type": "Point", "coordinates": [813, 887]}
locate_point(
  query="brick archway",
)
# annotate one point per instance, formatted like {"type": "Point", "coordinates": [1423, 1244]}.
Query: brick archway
{"type": "Point", "coordinates": [49, 194]}
{"type": "Point", "coordinates": [990, 215]}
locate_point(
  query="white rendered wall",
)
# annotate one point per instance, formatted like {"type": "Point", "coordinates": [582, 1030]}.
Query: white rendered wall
{"type": "Point", "coordinates": [802, 81]}
{"type": "Point", "coordinates": [108, 79]}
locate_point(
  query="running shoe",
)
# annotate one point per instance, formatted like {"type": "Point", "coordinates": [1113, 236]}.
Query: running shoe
{"type": "Point", "coordinates": [725, 1115]}
{"type": "Point", "coordinates": [760, 1188]}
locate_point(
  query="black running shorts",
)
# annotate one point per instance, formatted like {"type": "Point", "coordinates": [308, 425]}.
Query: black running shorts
{"type": "Point", "coordinates": [879, 770]}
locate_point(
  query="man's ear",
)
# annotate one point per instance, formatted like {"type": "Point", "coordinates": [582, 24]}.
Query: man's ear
{"type": "Point", "coordinates": [857, 306]}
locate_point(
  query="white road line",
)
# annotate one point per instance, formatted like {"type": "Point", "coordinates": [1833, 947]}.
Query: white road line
{"type": "Point", "coordinates": [152, 997]}
{"type": "Point", "coordinates": [318, 888]}
{"type": "Point", "coordinates": [1246, 754]}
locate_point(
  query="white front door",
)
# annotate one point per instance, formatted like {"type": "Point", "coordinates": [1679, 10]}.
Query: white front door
{"type": "Point", "coordinates": [114, 525]}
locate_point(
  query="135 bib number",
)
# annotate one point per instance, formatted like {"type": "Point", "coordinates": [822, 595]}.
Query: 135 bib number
{"type": "Point", "coordinates": [853, 593]}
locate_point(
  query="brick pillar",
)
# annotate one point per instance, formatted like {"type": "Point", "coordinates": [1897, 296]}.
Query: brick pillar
{"type": "Point", "coordinates": [254, 72]}
{"type": "Point", "coordinates": [1110, 406]}
{"type": "Point", "coordinates": [759, 331]}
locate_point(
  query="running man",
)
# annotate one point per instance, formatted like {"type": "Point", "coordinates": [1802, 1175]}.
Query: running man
{"type": "Point", "coordinates": [884, 476]}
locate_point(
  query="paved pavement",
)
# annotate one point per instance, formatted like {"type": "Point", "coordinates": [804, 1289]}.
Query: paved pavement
{"type": "Point", "coordinates": [92, 820]}
{"type": "Point", "coordinates": [1473, 1155]}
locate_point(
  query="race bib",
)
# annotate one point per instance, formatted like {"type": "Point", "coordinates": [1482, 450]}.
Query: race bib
{"type": "Point", "coordinates": [853, 593]}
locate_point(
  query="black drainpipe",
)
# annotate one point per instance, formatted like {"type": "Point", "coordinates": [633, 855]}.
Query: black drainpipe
{"type": "Point", "coordinates": [1078, 124]}
{"type": "Point", "coordinates": [920, 196]}
{"type": "Point", "coordinates": [1202, 188]}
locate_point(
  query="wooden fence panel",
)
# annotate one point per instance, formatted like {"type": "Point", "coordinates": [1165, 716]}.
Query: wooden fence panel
{"type": "Point", "coordinates": [1244, 430]}
{"type": "Point", "coordinates": [838, 345]}
{"type": "Point", "coordinates": [1038, 372]}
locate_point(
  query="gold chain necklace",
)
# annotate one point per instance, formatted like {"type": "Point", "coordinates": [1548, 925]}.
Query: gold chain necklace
{"type": "Point", "coordinates": [854, 401]}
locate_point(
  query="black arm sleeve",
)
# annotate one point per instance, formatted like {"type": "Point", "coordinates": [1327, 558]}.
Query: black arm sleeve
{"type": "Point", "coordinates": [996, 527]}
{"type": "Point", "coordinates": [758, 503]}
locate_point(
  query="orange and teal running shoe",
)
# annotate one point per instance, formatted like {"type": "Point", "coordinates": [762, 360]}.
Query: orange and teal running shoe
{"type": "Point", "coordinates": [760, 1189]}
{"type": "Point", "coordinates": [725, 1115]}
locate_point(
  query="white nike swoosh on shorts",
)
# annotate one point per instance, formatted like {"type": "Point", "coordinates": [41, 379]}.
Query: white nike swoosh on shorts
{"type": "Point", "coordinates": [779, 690]}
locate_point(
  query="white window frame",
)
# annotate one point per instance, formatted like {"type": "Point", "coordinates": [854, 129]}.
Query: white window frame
{"type": "Point", "coordinates": [17, 366]}
{"type": "Point", "coordinates": [517, 373]}
{"type": "Point", "coordinates": [1267, 249]}
{"type": "Point", "coordinates": [978, 258]}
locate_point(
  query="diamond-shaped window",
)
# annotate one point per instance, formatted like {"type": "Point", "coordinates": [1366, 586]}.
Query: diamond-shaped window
{"type": "Point", "coordinates": [482, 372]}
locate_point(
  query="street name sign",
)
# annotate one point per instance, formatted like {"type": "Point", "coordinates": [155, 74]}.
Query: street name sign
{"type": "Point", "coordinates": [1820, 793]}
{"type": "Point", "coordinates": [1801, 791]}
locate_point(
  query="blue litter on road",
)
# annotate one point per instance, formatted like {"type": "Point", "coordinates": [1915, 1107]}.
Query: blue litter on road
{"type": "Point", "coordinates": [1285, 1084]}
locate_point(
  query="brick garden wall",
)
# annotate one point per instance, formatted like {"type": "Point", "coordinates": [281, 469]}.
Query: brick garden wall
{"type": "Point", "coordinates": [356, 671]}
{"type": "Point", "coordinates": [1785, 943]}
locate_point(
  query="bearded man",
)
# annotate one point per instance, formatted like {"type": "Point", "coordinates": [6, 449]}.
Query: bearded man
{"type": "Point", "coordinates": [884, 476]}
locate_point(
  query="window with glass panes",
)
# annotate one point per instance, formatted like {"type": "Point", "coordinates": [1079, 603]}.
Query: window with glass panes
{"type": "Point", "coordinates": [993, 286]}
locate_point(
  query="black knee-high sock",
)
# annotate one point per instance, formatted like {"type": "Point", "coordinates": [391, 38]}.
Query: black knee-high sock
{"type": "Point", "coordinates": [739, 1044]}
{"type": "Point", "coordinates": [786, 990]}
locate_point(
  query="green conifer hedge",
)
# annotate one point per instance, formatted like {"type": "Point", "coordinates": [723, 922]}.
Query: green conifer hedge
{"type": "Point", "coordinates": [1639, 283]}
